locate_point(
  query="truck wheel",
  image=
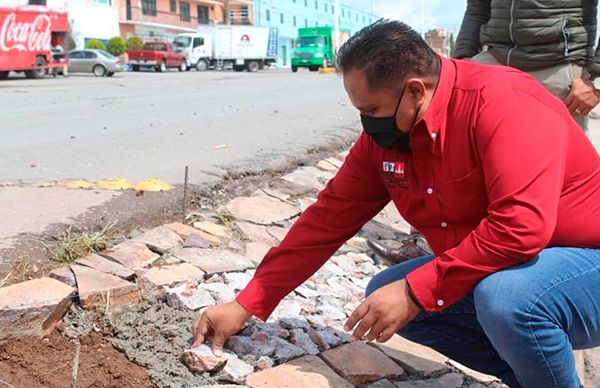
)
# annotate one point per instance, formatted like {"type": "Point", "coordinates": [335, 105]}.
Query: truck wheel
{"type": "Point", "coordinates": [183, 66]}
{"type": "Point", "coordinates": [135, 67]}
{"type": "Point", "coordinates": [294, 69]}
{"type": "Point", "coordinates": [99, 71]}
{"type": "Point", "coordinates": [238, 67]}
{"type": "Point", "coordinates": [253, 66]}
{"type": "Point", "coordinates": [162, 67]}
{"type": "Point", "coordinates": [201, 65]}
{"type": "Point", "coordinates": [40, 71]}
{"type": "Point", "coordinates": [4, 74]}
{"type": "Point", "coordinates": [313, 68]}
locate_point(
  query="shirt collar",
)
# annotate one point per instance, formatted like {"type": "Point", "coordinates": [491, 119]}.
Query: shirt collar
{"type": "Point", "coordinates": [436, 115]}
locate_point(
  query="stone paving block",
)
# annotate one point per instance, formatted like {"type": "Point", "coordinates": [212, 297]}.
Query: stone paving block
{"type": "Point", "coordinates": [196, 241]}
{"type": "Point", "coordinates": [235, 371]}
{"type": "Point", "coordinates": [260, 210]}
{"type": "Point", "coordinates": [482, 377]}
{"type": "Point", "coordinates": [256, 251]}
{"type": "Point", "coordinates": [271, 329]}
{"type": "Point", "coordinates": [258, 345]}
{"type": "Point", "coordinates": [308, 371]}
{"type": "Point", "coordinates": [385, 383]}
{"type": "Point", "coordinates": [160, 239]}
{"type": "Point", "coordinates": [303, 179]}
{"type": "Point", "coordinates": [299, 338]}
{"type": "Point", "coordinates": [213, 261]}
{"type": "Point", "coordinates": [201, 359]}
{"type": "Point", "coordinates": [107, 266]}
{"type": "Point", "coordinates": [65, 275]}
{"type": "Point", "coordinates": [168, 275]}
{"type": "Point", "coordinates": [285, 351]}
{"type": "Point", "coordinates": [450, 380]}
{"type": "Point", "coordinates": [185, 231]}
{"type": "Point", "coordinates": [237, 281]}
{"type": "Point", "coordinates": [306, 202]}
{"type": "Point", "coordinates": [256, 233]}
{"type": "Point", "coordinates": [189, 296]}
{"type": "Point", "coordinates": [275, 194]}
{"type": "Point", "coordinates": [132, 254]}
{"type": "Point", "coordinates": [219, 291]}
{"type": "Point", "coordinates": [278, 232]}
{"type": "Point", "coordinates": [580, 365]}
{"type": "Point", "coordinates": [361, 364]}
{"type": "Point", "coordinates": [378, 231]}
{"type": "Point", "coordinates": [413, 357]}
{"type": "Point", "coordinates": [97, 289]}
{"type": "Point", "coordinates": [33, 308]}
{"type": "Point", "coordinates": [335, 161]}
{"type": "Point", "coordinates": [214, 229]}
{"type": "Point", "coordinates": [326, 166]}
{"type": "Point", "coordinates": [324, 339]}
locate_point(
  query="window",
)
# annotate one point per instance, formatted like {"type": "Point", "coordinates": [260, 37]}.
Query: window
{"type": "Point", "coordinates": [202, 14]}
{"type": "Point", "coordinates": [89, 55]}
{"type": "Point", "coordinates": [333, 9]}
{"type": "Point", "coordinates": [343, 12]}
{"type": "Point", "coordinates": [325, 7]}
{"type": "Point", "coordinates": [316, 4]}
{"type": "Point", "coordinates": [364, 19]}
{"type": "Point", "coordinates": [349, 15]}
{"type": "Point", "coordinates": [173, 6]}
{"type": "Point", "coordinates": [281, 18]}
{"type": "Point", "coordinates": [305, 22]}
{"type": "Point", "coordinates": [75, 55]}
{"type": "Point", "coordinates": [149, 7]}
{"type": "Point", "coordinates": [294, 21]}
{"type": "Point", "coordinates": [356, 17]}
{"type": "Point", "coordinates": [268, 15]}
{"type": "Point", "coordinates": [306, 3]}
{"type": "Point", "coordinates": [316, 24]}
{"type": "Point", "coordinates": [184, 11]}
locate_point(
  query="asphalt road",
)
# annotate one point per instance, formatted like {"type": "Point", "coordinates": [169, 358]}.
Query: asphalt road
{"type": "Point", "coordinates": [150, 125]}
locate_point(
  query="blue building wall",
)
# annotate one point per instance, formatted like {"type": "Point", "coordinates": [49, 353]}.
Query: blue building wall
{"type": "Point", "coordinates": [289, 15]}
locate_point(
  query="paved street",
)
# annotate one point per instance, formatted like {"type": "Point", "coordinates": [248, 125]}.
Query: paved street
{"type": "Point", "coordinates": [150, 125]}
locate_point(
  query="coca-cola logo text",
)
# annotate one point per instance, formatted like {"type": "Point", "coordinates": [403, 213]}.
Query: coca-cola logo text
{"type": "Point", "coordinates": [25, 36]}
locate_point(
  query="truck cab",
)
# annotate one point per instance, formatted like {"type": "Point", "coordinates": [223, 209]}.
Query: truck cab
{"type": "Point", "coordinates": [316, 48]}
{"type": "Point", "coordinates": [196, 48]}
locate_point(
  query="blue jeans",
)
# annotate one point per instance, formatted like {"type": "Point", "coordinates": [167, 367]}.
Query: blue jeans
{"type": "Point", "coordinates": [520, 324]}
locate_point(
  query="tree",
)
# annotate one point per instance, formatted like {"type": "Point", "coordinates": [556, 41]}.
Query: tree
{"type": "Point", "coordinates": [116, 46]}
{"type": "Point", "coordinates": [135, 43]}
{"type": "Point", "coordinates": [95, 44]}
{"type": "Point", "coordinates": [452, 44]}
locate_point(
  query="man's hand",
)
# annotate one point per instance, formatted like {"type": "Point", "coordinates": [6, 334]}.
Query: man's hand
{"type": "Point", "coordinates": [218, 323]}
{"type": "Point", "coordinates": [383, 313]}
{"type": "Point", "coordinates": [583, 97]}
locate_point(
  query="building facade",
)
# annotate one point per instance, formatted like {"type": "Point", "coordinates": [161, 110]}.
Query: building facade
{"type": "Point", "coordinates": [289, 15]}
{"type": "Point", "coordinates": [440, 41]}
{"type": "Point", "coordinates": [162, 20]}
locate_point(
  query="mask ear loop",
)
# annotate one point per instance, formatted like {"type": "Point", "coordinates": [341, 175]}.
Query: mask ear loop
{"type": "Point", "coordinates": [399, 101]}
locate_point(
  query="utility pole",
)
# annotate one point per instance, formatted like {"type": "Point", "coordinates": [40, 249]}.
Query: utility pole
{"type": "Point", "coordinates": [423, 19]}
{"type": "Point", "coordinates": [336, 22]}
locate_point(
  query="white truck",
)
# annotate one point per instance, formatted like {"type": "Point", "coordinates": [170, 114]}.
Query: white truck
{"type": "Point", "coordinates": [240, 47]}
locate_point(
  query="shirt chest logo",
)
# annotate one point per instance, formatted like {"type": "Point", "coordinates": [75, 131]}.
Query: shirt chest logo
{"type": "Point", "coordinates": [395, 173]}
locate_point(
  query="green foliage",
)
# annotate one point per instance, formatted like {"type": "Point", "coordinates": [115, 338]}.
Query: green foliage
{"type": "Point", "coordinates": [135, 43]}
{"type": "Point", "coordinates": [94, 44]}
{"type": "Point", "coordinates": [116, 46]}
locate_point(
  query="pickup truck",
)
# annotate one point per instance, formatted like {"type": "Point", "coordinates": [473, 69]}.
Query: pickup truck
{"type": "Point", "coordinates": [158, 55]}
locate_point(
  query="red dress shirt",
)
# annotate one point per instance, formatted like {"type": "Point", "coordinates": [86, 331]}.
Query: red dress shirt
{"type": "Point", "coordinates": [498, 171]}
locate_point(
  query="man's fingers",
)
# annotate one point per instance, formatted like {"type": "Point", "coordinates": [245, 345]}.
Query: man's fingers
{"type": "Point", "coordinates": [365, 324]}
{"type": "Point", "coordinates": [376, 330]}
{"type": "Point", "coordinates": [386, 335]}
{"type": "Point", "coordinates": [357, 315]}
{"type": "Point", "coordinates": [217, 344]}
{"type": "Point", "coordinates": [201, 332]}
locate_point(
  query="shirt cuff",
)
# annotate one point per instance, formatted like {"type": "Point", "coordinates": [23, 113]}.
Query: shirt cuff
{"type": "Point", "coordinates": [255, 298]}
{"type": "Point", "coordinates": [426, 286]}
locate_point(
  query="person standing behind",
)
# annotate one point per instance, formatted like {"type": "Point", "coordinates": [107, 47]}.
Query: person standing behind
{"type": "Point", "coordinates": [554, 43]}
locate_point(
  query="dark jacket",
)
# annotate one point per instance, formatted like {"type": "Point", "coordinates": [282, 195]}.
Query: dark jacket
{"type": "Point", "coordinates": [531, 34]}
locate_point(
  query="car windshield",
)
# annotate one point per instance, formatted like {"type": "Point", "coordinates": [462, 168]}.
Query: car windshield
{"type": "Point", "coordinates": [311, 41]}
{"type": "Point", "coordinates": [106, 54]}
{"type": "Point", "coordinates": [183, 41]}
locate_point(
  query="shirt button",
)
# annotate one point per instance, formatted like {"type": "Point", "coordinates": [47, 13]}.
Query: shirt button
{"type": "Point", "coordinates": [430, 191]}
{"type": "Point", "coordinates": [433, 135]}
{"type": "Point", "coordinates": [440, 302]}
{"type": "Point", "coordinates": [444, 224]}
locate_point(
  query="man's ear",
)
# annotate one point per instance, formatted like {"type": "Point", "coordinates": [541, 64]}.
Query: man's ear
{"type": "Point", "coordinates": [416, 88]}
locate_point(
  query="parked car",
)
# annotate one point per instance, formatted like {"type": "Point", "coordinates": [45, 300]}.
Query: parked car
{"type": "Point", "coordinates": [99, 62]}
{"type": "Point", "coordinates": [159, 56]}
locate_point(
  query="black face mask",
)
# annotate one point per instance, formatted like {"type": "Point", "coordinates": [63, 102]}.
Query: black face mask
{"type": "Point", "coordinates": [384, 131]}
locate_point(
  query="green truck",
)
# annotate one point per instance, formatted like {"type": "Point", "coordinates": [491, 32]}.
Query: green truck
{"type": "Point", "coordinates": [316, 47]}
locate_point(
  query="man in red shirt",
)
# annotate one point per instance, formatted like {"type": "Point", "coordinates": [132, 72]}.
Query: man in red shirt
{"type": "Point", "coordinates": [502, 182]}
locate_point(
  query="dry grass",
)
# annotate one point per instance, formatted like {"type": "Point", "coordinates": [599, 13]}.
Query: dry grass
{"type": "Point", "coordinates": [74, 244]}
{"type": "Point", "coordinates": [4, 281]}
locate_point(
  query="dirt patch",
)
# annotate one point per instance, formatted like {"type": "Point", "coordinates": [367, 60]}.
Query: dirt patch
{"type": "Point", "coordinates": [155, 336]}
{"type": "Point", "coordinates": [47, 363]}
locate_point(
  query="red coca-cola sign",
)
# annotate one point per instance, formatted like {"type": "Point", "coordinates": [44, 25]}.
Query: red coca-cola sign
{"type": "Point", "coordinates": [25, 35]}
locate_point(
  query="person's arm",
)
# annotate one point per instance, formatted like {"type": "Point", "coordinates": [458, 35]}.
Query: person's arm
{"type": "Point", "coordinates": [355, 195]}
{"type": "Point", "coordinates": [522, 144]}
{"type": "Point", "coordinates": [467, 42]}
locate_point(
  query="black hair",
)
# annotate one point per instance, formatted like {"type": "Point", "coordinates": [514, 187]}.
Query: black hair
{"type": "Point", "coordinates": [388, 51]}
